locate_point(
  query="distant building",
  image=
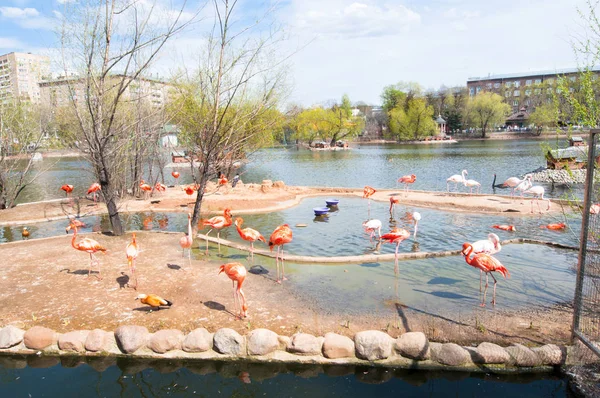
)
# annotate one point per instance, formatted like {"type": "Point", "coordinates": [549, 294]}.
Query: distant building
{"type": "Point", "coordinates": [526, 90]}
{"type": "Point", "coordinates": [59, 92]}
{"type": "Point", "coordinates": [20, 74]}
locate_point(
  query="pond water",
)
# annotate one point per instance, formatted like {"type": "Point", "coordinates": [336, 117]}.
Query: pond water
{"type": "Point", "coordinates": [375, 165]}
{"type": "Point", "coordinates": [32, 377]}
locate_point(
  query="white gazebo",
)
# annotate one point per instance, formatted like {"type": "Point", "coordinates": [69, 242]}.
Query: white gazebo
{"type": "Point", "coordinates": [441, 125]}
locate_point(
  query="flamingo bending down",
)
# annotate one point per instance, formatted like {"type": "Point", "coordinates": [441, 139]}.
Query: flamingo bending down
{"type": "Point", "coordinates": [491, 245]}
{"type": "Point", "coordinates": [186, 241]}
{"type": "Point", "coordinates": [371, 226]}
{"type": "Point", "coordinates": [505, 227]}
{"type": "Point", "coordinates": [416, 216]}
{"type": "Point", "coordinates": [538, 193]}
{"type": "Point", "coordinates": [237, 273]}
{"type": "Point", "coordinates": [218, 223]}
{"type": "Point", "coordinates": [248, 234]}
{"type": "Point", "coordinates": [93, 189]}
{"type": "Point", "coordinates": [132, 251]}
{"type": "Point", "coordinates": [89, 246]}
{"type": "Point", "coordinates": [456, 179]}
{"type": "Point", "coordinates": [393, 202]}
{"type": "Point", "coordinates": [396, 236]}
{"type": "Point", "coordinates": [154, 301]}
{"type": "Point", "coordinates": [487, 264]}
{"type": "Point", "coordinates": [408, 179]}
{"type": "Point", "coordinates": [280, 236]}
{"type": "Point", "coordinates": [472, 184]}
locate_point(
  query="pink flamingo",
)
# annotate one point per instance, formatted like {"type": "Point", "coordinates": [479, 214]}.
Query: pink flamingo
{"type": "Point", "coordinates": [491, 245]}
{"type": "Point", "coordinates": [280, 236]}
{"type": "Point", "coordinates": [186, 241]}
{"type": "Point", "coordinates": [396, 236]}
{"type": "Point", "coordinates": [371, 226]}
{"type": "Point", "coordinates": [93, 189]}
{"type": "Point", "coordinates": [237, 273]}
{"type": "Point", "coordinates": [248, 234]}
{"type": "Point", "coordinates": [408, 179]}
{"type": "Point", "coordinates": [538, 193]}
{"type": "Point", "coordinates": [487, 264]}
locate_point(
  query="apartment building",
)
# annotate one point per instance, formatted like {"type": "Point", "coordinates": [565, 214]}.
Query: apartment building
{"type": "Point", "coordinates": [524, 90]}
{"type": "Point", "coordinates": [20, 74]}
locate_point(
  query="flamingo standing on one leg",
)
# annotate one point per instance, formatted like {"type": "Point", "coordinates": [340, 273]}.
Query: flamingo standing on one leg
{"type": "Point", "coordinates": [371, 226]}
{"type": "Point", "coordinates": [491, 245]}
{"type": "Point", "coordinates": [456, 179]}
{"type": "Point", "coordinates": [408, 179]}
{"type": "Point", "coordinates": [237, 273]}
{"type": "Point", "coordinates": [93, 189]}
{"type": "Point", "coordinates": [487, 264]}
{"type": "Point", "coordinates": [393, 202]}
{"type": "Point", "coordinates": [131, 251]}
{"type": "Point", "coordinates": [538, 193]}
{"type": "Point", "coordinates": [248, 234]}
{"type": "Point", "coordinates": [89, 246]}
{"type": "Point", "coordinates": [218, 223]}
{"type": "Point", "coordinates": [416, 216]}
{"type": "Point", "coordinates": [396, 235]}
{"type": "Point", "coordinates": [367, 193]}
{"type": "Point", "coordinates": [186, 241]}
{"type": "Point", "coordinates": [280, 236]}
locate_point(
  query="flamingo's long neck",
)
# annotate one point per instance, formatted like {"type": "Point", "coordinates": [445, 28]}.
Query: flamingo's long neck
{"type": "Point", "coordinates": [189, 228]}
{"type": "Point", "coordinates": [75, 245]}
{"type": "Point", "coordinates": [468, 258]}
{"type": "Point", "coordinates": [463, 175]}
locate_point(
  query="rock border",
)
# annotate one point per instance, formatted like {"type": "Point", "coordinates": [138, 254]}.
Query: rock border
{"type": "Point", "coordinates": [369, 347]}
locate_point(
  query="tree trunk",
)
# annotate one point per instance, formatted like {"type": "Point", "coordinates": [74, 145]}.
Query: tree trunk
{"type": "Point", "coordinates": [198, 203]}
{"type": "Point", "coordinates": [111, 206]}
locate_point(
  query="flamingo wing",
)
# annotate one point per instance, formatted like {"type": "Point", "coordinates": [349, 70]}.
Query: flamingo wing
{"type": "Point", "coordinates": [488, 263]}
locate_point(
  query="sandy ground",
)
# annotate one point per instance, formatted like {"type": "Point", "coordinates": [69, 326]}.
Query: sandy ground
{"type": "Point", "coordinates": [45, 282]}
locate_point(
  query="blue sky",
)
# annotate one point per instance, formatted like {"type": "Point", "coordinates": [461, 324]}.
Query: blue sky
{"type": "Point", "coordinates": [359, 46]}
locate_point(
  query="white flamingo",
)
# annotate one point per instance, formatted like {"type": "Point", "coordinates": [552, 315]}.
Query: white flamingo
{"type": "Point", "coordinates": [490, 246]}
{"type": "Point", "coordinates": [472, 184]}
{"type": "Point", "coordinates": [538, 193]}
{"type": "Point", "coordinates": [456, 179]}
{"type": "Point", "coordinates": [524, 186]}
{"type": "Point", "coordinates": [512, 183]}
{"type": "Point", "coordinates": [371, 226]}
{"type": "Point", "coordinates": [416, 217]}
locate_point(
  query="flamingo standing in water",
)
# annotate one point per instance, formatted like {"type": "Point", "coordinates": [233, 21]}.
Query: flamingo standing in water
{"type": "Point", "coordinates": [186, 241]}
{"type": "Point", "coordinates": [396, 235]}
{"type": "Point", "coordinates": [393, 202]}
{"type": "Point", "coordinates": [237, 273]}
{"type": "Point", "coordinates": [408, 179]}
{"type": "Point", "coordinates": [280, 236]}
{"type": "Point", "coordinates": [93, 189]}
{"type": "Point", "coordinates": [371, 226]}
{"type": "Point", "coordinates": [538, 193]}
{"type": "Point", "coordinates": [131, 251]}
{"type": "Point", "coordinates": [490, 246]}
{"type": "Point", "coordinates": [416, 216]}
{"type": "Point", "coordinates": [487, 264]}
{"type": "Point", "coordinates": [218, 223]}
{"type": "Point", "coordinates": [367, 193]}
{"type": "Point", "coordinates": [89, 246]}
{"type": "Point", "coordinates": [456, 179]}
{"type": "Point", "coordinates": [248, 234]}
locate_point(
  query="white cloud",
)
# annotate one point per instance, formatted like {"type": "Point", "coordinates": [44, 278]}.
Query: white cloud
{"type": "Point", "coordinates": [352, 19]}
{"type": "Point", "coordinates": [10, 43]}
{"type": "Point", "coordinates": [18, 13]}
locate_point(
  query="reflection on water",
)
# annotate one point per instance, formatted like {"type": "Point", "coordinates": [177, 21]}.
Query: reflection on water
{"type": "Point", "coordinates": [109, 377]}
{"type": "Point", "coordinates": [375, 165]}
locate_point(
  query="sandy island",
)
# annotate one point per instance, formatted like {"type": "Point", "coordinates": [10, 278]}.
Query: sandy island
{"type": "Point", "coordinates": [44, 281]}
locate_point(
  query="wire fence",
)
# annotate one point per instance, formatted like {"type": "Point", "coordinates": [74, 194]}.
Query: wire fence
{"type": "Point", "coordinates": [586, 315]}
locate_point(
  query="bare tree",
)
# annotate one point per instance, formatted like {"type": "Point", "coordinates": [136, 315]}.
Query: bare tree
{"type": "Point", "coordinates": [111, 44]}
{"type": "Point", "coordinates": [20, 138]}
{"type": "Point", "coordinates": [227, 107]}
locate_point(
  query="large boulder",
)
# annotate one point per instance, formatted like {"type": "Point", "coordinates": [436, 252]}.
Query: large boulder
{"type": "Point", "coordinates": [166, 340]}
{"type": "Point", "coordinates": [305, 344]}
{"type": "Point", "coordinates": [550, 354]}
{"type": "Point", "coordinates": [522, 356]}
{"type": "Point", "coordinates": [39, 337]}
{"type": "Point", "coordinates": [337, 346]}
{"type": "Point", "coordinates": [373, 345]}
{"type": "Point", "coordinates": [489, 353]}
{"type": "Point", "coordinates": [96, 340]}
{"type": "Point", "coordinates": [413, 345]}
{"type": "Point", "coordinates": [450, 354]}
{"type": "Point", "coordinates": [10, 336]}
{"type": "Point", "coordinates": [131, 338]}
{"type": "Point", "coordinates": [73, 341]}
{"type": "Point", "coordinates": [262, 342]}
{"type": "Point", "coordinates": [198, 340]}
{"type": "Point", "coordinates": [229, 342]}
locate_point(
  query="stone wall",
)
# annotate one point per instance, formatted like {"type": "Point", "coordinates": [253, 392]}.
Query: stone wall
{"type": "Point", "coordinates": [371, 347]}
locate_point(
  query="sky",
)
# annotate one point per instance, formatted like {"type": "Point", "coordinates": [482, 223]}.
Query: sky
{"type": "Point", "coordinates": [357, 47]}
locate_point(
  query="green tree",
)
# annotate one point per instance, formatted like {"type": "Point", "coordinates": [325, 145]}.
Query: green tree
{"type": "Point", "coordinates": [545, 115]}
{"type": "Point", "coordinates": [487, 110]}
{"type": "Point", "coordinates": [417, 121]}
{"type": "Point", "coordinates": [392, 97]}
